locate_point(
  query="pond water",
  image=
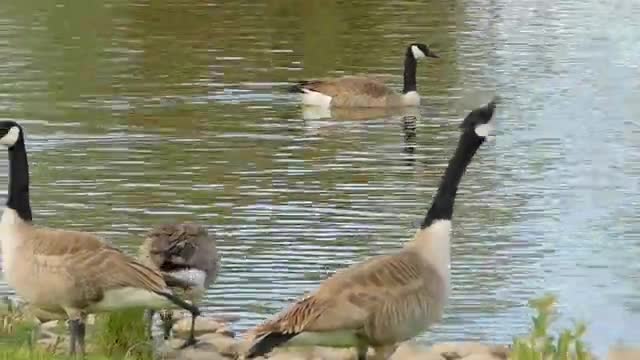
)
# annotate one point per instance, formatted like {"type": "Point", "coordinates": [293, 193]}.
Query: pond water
{"type": "Point", "coordinates": [140, 113]}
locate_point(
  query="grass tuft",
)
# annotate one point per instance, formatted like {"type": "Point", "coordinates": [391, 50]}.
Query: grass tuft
{"type": "Point", "coordinates": [539, 344]}
{"type": "Point", "coordinates": [123, 334]}
{"type": "Point", "coordinates": [116, 336]}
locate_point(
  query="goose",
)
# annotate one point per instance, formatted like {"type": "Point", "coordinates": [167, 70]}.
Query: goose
{"type": "Point", "coordinates": [362, 91]}
{"type": "Point", "coordinates": [70, 273]}
{"type": "Point", "coordinates": [184, 251]}
{"type": "Point", "coordinates": [386, 299]}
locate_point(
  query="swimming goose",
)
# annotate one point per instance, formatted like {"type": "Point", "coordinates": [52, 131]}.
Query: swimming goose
{"type": "Point", "coordinates": [70, 273]}
{"type": "Point", "coordinates": [386, 299]}
{"type": "Point", "coordinates": [183, 251]}
{"type": "Point", "coordinates": [361, 91]}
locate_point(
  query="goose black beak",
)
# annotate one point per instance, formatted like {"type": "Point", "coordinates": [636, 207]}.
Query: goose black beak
{"type": "Point", "coordinates": [431, 54]}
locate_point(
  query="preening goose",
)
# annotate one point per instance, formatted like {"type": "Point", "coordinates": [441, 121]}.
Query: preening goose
{"type": "Point", "coordinates": [185, 252]}
{"type": "Point", "coordinates": [361, 91]}
{"type": "Point", "coordinates": [70, 273]}
{"type": "Point", "coordinates": [389, 298]}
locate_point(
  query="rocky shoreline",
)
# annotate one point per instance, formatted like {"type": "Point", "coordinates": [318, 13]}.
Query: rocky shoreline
{"type": "Point", "coordinates": [216, 341]}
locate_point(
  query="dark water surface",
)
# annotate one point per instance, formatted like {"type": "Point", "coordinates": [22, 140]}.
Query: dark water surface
{"type": "Point", "coordinates": [141, 113]}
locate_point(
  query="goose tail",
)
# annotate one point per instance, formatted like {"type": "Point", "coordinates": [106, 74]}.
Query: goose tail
{"type": "Point", "coordinates": [298, 88]}
{"type": "Point", "coordinates": [268, 342]}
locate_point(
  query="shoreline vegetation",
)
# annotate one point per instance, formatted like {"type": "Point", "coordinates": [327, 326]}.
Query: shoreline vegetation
{"type": "Point", "coordinates": [122, 335]}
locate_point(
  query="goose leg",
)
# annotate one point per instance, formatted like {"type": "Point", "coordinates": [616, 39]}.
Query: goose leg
{"type": "Point", "coordinates": [362, 351]}
{"type": "Point", "coordinates": [82, 335]}
{"type": "Point", "coordinates": [77, 341]}
{"type": "Point", "coordinates": [148, 318]}
{"type": "Point", "coordinates": [167, 323]}
{"type": "Point", "coordinates": [72, 338]}
{"type": "Point", "coordinates": [195, 312]}
{"type": "Point", "coordinates": [384, 352]}
{"type": "Point", "coordinates": [35, 333]}
{"type": "Point", "coordinates": [192, 333]}
{"type": "Point", "coordinates": [78, 331]}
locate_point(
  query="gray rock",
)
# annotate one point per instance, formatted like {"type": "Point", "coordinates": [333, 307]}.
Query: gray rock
{"type": "Point", "coordinates": [204, 325]}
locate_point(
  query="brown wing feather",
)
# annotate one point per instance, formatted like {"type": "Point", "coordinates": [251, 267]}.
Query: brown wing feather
{"type": "Point", "coordinates": [348, 299]}
{"type": "Point", "coordinates": [349, 86]}
{"type": "Point", "coordinates": [102, 267]}
{"type": "Point", "coordinates": [409, 310]}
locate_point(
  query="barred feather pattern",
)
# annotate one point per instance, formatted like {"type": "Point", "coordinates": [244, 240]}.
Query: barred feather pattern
{"type": "Point", "coordinates": [355, 91]}
{"type": "Point", "coordinates": [386, 299]}
{"type": "Point", "coordinates": [74, 269]}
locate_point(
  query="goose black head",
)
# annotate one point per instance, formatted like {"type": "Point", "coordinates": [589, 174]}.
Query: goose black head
{"type": "Point", "coordinates": [480, 120]}
{"type": "Point", "coordinates": [419, 51]}
{"type": "Point", "coordinates": [10, 133]}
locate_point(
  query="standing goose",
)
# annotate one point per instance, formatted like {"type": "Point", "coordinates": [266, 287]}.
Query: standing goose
{"type": "Point", "coordinates": [69, 273]}
{"type": "Point", "coordinates": [386, 299]}
{"type": "Point", "coordinates": [185, 252]}
{"type": "Point", "coordinates": [361, 91]}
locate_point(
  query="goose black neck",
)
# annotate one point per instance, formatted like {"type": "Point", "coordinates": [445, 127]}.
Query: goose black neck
{"type": "Point", "coordinates": [18, 198]}
{"type": "Point", "coordinates": [410, 65]}
{"type": "Point", "coordinates": [442, 206]}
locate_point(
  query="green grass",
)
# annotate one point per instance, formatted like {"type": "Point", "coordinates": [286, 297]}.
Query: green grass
{"type": "Point", "coordinates": [123, 334]}
{"type": "Point", "coordinates": [115, 336]}
{"type": "Point", "coordinates": [539, 344]}
{"type": "Point", "coordinates": [24, 353]}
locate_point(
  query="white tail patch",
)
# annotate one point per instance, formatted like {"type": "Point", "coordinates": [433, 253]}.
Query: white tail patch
{"type": "Point", "coordinates": [417, 53]}
{"type": "Point", "coordinates": [315, 112]}
{"type": "Point", "coordinates": [10, 138]}
{"type": "Point", "coordinates": [412, 98]}
{"type": "Point", "coordinates": [130, 297]}
{"type": "Point", "coordinates": [315, 98]}
{"type": "Point", "coordinates": [484, 130]}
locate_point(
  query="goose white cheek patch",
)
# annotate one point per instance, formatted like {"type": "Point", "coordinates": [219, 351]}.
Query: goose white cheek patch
{"type": "Point", "coordinates": [484, 130]}
{"type": "Point", "coordinates": [417, 53]}
{"type": "Point", "coordinates": [11, 137]}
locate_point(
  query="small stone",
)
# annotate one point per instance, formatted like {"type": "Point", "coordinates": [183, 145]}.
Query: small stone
{"type": "Point", "coordinates": [225, 345]}
{"type": "Point", "coordinates": [180, 314]}
{"type": "Point", "coordinates": [49, 325]}
{"type": "Point", "coordinates": [621, 353]}
{"type": "Point", "coordinates": [53, 344]}
{"type": "Point", "coordinates": [203, 326]}
{"type": "Point", "coordinates": [46, 334]}
{"type": "Point", "coordinates": [224, 330]}
{"type": "Point", "coordinates": [480, 356]}
{"type": "Point", "coordinates": [412, 351]}
{"type": "Point", "coordinates": [313, 353]}
{"type": "Point", "coordinates": [200, 351]}
{"type": "Point", "coordinates": [465, 349]}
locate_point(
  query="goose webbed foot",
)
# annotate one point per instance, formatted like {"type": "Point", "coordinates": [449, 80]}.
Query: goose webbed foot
{"type": "Point", "coordinates": [191, 341]}
{"type": "Point", "coordinates": [77, 341]}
